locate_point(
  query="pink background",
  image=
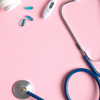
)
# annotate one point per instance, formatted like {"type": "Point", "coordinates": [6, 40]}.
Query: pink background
{"type": "Point", "coordinates": [43, 51]}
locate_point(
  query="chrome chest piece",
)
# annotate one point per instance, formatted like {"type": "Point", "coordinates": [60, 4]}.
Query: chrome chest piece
{"type": "Point", "coordinates": [20, 88]}
{"type": "Point", "coordinates": [23, 89]}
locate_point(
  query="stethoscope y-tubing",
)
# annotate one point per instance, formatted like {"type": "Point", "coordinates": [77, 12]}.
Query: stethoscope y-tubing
{"type": "Point", "coordinates": [77, 43]}
{"type": "Point", "coordinates": [95, 73]}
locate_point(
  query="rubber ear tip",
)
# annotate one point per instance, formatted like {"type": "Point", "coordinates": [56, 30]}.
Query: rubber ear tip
{"type": "Point", "coordinates": [77, 0]}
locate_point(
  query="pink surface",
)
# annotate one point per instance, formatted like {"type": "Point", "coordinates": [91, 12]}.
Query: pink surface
{"type": "Point", "coordinates": [43, 51]}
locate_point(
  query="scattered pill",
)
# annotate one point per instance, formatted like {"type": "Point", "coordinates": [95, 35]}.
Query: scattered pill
{"type": "Point", "coordinates": [22, 22]}
{"type": "Point", "coordinates": [29, 18]}
{"type": "Point", "coordinates": [29, 8]}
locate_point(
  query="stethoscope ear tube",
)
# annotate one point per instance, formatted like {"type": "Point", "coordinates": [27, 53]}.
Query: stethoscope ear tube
{"type": "Point", "coordinates": [76, 41]}
{"type": "Point", "coordinates": [75, 71]}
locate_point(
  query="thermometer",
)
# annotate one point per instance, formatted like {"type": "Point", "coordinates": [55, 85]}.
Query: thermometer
{"type": "Point", "coordinates": [49, 8]}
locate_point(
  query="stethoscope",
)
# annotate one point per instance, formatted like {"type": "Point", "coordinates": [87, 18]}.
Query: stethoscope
{"type": "Point", "coordinates": [23, 89]}
{"type": "Point", "coordinates": [94, 73]}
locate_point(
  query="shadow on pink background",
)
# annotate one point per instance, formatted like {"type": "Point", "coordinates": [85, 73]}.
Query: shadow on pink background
{"type": "Point", "coordinates": [43, 51]}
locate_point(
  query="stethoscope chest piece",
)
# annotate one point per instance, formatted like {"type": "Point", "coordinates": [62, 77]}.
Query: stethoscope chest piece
{"type": "Point", "coordinates": [20, 88]}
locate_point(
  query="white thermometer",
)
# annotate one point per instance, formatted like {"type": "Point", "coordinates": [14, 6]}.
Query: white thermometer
{"type": "Point", "coordinates": [49, 8]}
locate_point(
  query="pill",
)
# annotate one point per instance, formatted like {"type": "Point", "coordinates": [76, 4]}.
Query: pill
{"type": "Point", "coordinates": [29, 8]}
{"type": "Point", "coordinates": [29, 18]}
{"type": "Point", "coordinates": [22, 22]}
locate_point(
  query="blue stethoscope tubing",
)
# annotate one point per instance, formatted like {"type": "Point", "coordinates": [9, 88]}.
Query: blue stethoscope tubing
{"type": "Point", "coordinates": [93, 73]}
{"type": "Point", "coordinates": [33, 95]}
{"type": "Point", "coordinates": [75, 71]}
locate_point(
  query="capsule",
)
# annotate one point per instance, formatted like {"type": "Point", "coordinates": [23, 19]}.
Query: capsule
{"type": "Point", "coordinates": [29, 18]}
{"type": "Point", "coordinates": [22, 22]}
{"type": "Point", "coordinates": [29, 8]}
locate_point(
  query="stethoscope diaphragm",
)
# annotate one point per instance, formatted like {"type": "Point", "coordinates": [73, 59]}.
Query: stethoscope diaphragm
{"type": "Point", "coordinates": [20, 88]}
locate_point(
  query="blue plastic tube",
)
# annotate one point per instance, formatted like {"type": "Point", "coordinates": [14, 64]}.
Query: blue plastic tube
{"type": "Point", "coordinates": [75, 71]}
{"type": "Point", "coordinates": [33, 95]}
{"type": "Point", "coordinates": [91, 65]}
